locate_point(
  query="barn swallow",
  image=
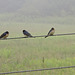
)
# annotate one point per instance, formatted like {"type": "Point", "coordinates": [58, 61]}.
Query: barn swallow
{"type": "Point", "coordinates": [4, 35]}
{"type": "Point", "coordinates": [51, 32]}
{"type": "Point", "coordinates": [27, 34]}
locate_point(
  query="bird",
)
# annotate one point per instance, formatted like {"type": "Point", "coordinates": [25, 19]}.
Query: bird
{"type": "Point", "coordinates": [4, 35]}
{"type": "Point", "coordinates": [27, 34]}
{"type": "Point", "coordinates": [51, 32]}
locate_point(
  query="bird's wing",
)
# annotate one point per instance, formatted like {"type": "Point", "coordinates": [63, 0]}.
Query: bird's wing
{"type": "Point", "coordinates": [27, 33]}
{"type": "Point", "coordinates": [49, 32]}
{"type": "Point", "coordinates": [2, 35]}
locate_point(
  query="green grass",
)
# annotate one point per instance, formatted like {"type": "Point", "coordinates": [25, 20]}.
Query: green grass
{"type": "Point", "coordinates": [27, 54]}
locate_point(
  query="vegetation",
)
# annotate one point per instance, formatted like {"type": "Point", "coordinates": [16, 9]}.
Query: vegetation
{"type": "Point", "coordinates": [37, 17]}
{"type": "Point", "coordinates": [26, 54]}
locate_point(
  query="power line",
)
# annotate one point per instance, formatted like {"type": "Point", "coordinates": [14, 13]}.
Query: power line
{"type": "Point", "coordinates": [65, 34]}
{"type": "Point", "coordinates": [38, 36]}
{"type": "Point", "coordinates": [39, 70]}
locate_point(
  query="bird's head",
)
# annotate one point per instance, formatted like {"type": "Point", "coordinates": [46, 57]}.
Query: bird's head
{"type": "Point", "coordinates": [23, 30]}
{"type": "Point", "coordinates": [7, 32]}
{"type": "Point", "coordinates": [52, 28]}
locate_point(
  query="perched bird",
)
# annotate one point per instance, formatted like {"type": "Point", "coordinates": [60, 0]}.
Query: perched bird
{"type": "Point", "coordinates": [4, 35]}
{"type": "Point", "coordinates": [51, 32]}
{"type": "Point", "coordinates": [26, 33]}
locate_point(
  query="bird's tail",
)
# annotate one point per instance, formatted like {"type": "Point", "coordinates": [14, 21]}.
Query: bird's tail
{"type": "Point", "coordinates": [31, 36]}
{"type": "Point", "coordinates": [46, 36]}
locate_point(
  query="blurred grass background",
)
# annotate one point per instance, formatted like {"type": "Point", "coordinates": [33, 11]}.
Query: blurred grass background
{"type": "Point", "coordinates": [25, 54]}
{"type": "Point", "coordinates": [37, 17]}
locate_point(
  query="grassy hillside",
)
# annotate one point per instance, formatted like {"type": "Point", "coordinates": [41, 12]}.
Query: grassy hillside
{"type": "Point", "coordinates": [26, 54]}
{"type": "Point", "coordinates": [37, 17]}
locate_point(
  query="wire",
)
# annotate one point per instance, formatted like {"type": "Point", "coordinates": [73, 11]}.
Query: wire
{"type": "Point", "coordinates": [39, 36]}
{"type": "Point", "coordinates": [39, 70]}
{"type": "Point", "coordinates": [64, 34]}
